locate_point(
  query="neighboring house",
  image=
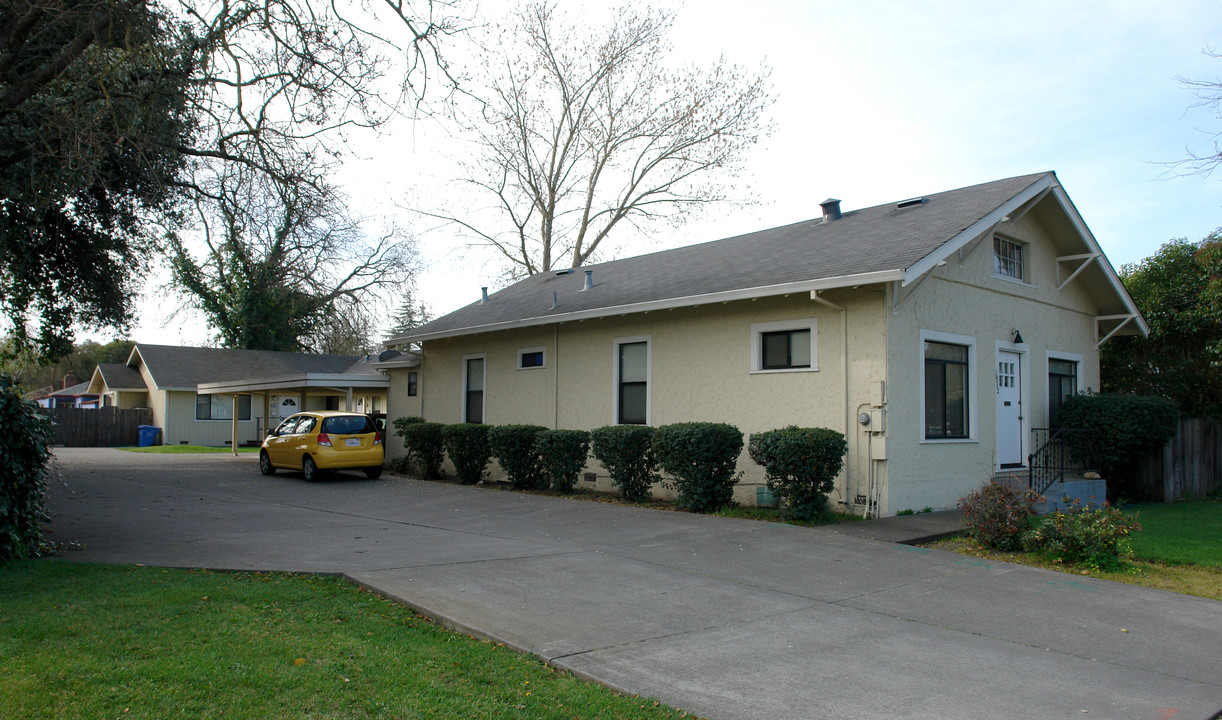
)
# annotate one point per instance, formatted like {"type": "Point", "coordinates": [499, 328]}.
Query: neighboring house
{"type": "Point", "coordinates": [193, 391]}
{"type": "Point", "coordinates": [937, 333]}
{"type": "Point", "coordinates": [72, 394]}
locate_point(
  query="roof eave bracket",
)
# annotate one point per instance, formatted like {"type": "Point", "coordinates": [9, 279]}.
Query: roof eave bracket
{"type": "Point", "coordinates": [1086, 258]}
{"type": "Point", "coordinates": [1124, 320]}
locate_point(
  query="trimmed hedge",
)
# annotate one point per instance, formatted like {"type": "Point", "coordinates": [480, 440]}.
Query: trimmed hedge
{"type": "Point", "coordinates": [627, 453]}
{"type": "Point", "coordinates": [24, 456]}
{"type": "Point", "coordinates": [424, 444]}
{"type": "Point", "coordinates": [702, 459]}
{"type": "Point", "coordinates": [801, 465]}
{"type": "Point", "coordinates": [1131, 427]}
{"type": "Point", "coordinates": [514, 448]}
{"type": "Point", "coordinates": [467, 446]}
{"type": "Point", "coordinates": [563, 454]}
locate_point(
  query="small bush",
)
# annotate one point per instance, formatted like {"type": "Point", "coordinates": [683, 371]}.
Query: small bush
{"type": "Point", "coordinates": [627, 453]}
{"type": "Point", "coordinates": [1130, 427]}
{"type": "Point", "coordinates": [467, 446]}
{"type": "Point", "coordinates": [801, 465]}
{"type": "Point", "coordinates": [702, 458]}
{"type": "Point", "coordinates": [424, 444]}
{"type": "Point", "coordinates": [1097, 537]}
{"type": "Point", "coordinates": [563, 454]}
{"type": "Point", "coordinates": [998, 514]}
{"type": "Point", "coordinates": [24, 456]}
{"type": "Point", "coordinates": [514, 447]}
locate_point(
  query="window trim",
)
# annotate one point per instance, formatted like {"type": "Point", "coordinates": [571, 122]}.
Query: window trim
{"type": "Point", "coordinates": [758, 330]}
{"type": "Point", "coordinates": [1078, 359]}
{"type": "Point", "coordinates": [615, 374]}
{"type": "Point", "coordinates": [973, 393]}
{"type": "Point", "coordinates": [483, 410]}
{"type": "Point", "coordinates": [250, 409]}
{"type": "Point", "coordinates": [1024, 262]}
{"type": "Point", "coordinates": [530, 351]}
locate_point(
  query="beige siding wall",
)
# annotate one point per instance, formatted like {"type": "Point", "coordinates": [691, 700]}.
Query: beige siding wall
{"type": "Point", "coordinates": [964, 298]}
{"type": "Point", "coordinates": [399, 404]}
{"type": "Point", "coordinates": [700, 371]}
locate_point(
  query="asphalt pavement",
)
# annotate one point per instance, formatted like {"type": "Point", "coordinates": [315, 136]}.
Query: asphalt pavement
{"type": "Point", "coordinates": [729, 619]}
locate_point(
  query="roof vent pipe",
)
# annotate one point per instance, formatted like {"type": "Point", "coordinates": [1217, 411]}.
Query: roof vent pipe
{"type": "Point", "coordinates": [589, 281]}
{"type": "Point", "coordinates": [555, 300]}
{"type": "Point", "coordinates": [831, 209]}
{"type": "Point", "coordinates": [484, 295]}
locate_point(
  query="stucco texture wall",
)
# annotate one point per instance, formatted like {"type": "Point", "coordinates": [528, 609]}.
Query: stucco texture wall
{"type": "Point", "coordinates": [964, 297]}
{"type": "Point", "coordinates": [700, 370]}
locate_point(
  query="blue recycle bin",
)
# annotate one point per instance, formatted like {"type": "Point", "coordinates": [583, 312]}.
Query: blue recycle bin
{"type": "Point", "coordinates": [148, 435]}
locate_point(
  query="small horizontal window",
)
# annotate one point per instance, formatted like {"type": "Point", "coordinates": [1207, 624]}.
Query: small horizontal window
{"type": "Point", "coordinates": [789, 345]}
{"type": "Point", "coordinates": [530, 358]}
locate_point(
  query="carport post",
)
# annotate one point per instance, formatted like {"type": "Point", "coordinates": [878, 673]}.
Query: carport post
{"type": "Point", "coordinates": [234, 425]}
{"type": "Point", "coordinates": [267, 415]}
{"type": "Point", "coordinates": [348, 405]}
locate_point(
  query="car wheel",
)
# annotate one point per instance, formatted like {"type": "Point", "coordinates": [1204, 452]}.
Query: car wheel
{"type": "Point", "coordinates": [265, 464]}
{"type": "Point", "coordinates": [310, 470]}
{"type": "Point", "coordinates": [373, 472]}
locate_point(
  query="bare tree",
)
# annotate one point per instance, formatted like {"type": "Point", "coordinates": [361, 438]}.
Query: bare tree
{"type": "Point", "coordinates": [582, 130]}
{"type": "Point", "coordinates": [1208, 94]}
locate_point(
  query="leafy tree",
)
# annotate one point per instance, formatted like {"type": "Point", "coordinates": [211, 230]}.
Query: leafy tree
{"type": "Point", "coordinates": [582, 130]}
{"type": "Point", "coordinates": [29, 373]}
{"type": "Point", "coordinates": [1179, 292]}
{"type": "Point", "coordinates": [93, 100]}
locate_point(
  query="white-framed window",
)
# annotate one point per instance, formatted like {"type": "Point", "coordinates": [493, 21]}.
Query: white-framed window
{"type": "Point", "coordinates": [1009, 259]}
{"type": "Point", "coordinates": [1064, 379]}
{"type": "Point", "coordinates": [631, 363]}
{"type": "Point", "coordinates": [530, 358]}
{"type": "Point", "coordinates": [785, 346]}
{"type": "Point", "coordinates": [948, 387]}
{"type": "Point", "coordinates": [220, 407]}
{"type": "Point", "coordinates": [473, 375]}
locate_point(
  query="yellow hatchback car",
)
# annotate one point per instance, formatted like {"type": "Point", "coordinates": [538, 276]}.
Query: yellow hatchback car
{"type": "Point", "coordinates": [315, 442]}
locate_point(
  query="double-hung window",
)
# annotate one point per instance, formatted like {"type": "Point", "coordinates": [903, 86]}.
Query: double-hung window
{"type": "Point", "coordinates": [413, 384]}
{"type": "Point", "coordinates": [947, 391]}
{"type": "Point", "coordinates": [220, 407]}
{"type": "Point", "coordinates": [632, 381]}
{"type": "Point", "coordinates": [473, 389]}
{"type": "Point", "coordinates": [1062, 383]}
{"type": "Point", "coordinates": [1008, 258]}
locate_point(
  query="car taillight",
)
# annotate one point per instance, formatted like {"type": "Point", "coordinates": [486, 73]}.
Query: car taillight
{"type": "Point", "coordinates": [377, 438]}
{"type": "Point", "coordinates": [324, 440]}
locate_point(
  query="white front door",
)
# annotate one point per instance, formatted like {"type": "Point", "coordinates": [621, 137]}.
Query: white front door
{"type": "Point", "coordinates": [1009, 409]}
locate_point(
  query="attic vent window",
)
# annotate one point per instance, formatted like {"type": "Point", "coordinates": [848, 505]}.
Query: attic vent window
{"type": "Point", "coordinates": [911, 203]}
{"type": "Point", "coordinates": [565, 271]}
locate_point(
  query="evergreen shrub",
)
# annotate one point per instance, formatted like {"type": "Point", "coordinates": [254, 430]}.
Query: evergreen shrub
{"type": "Point", "coordinates": [424, 444]}
{"type": "Point", "coordinates": [626, 451]}
{"type": "Point", "coordinates": [800, 465]}
{"type": "Point", "coordinates": [563, 454]}
{"type": "Point", "coordinates": [1094, 536]}
{"type": "Point", "coordinates": [467, 446]}
{"type": "Point", "coordinates": [998, 514]}
{"type": "Point", "coordinates": [514, 448]}
{"type": "Point", "coordinates": [702, 460]}
{"type": "Point", "coordinates": [24, 458]}
{"type": "Point", "coordinates": [1130, 428]}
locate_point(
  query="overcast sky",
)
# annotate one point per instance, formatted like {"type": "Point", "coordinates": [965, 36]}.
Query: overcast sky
{"type": "Point", "coordinates": [881, 101]}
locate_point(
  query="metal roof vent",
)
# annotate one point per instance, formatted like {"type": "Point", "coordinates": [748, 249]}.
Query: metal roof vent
{"type": "Point", "coordinates": [483, 295]}
{"type": "Point", "coordinates": [589, 285]}
{"type": "Point", "coordinates": [911, 202]}
{"type": "Point", "coordinates": [565, 271]}
{"type": "Point", "coordinates": [831, 209]}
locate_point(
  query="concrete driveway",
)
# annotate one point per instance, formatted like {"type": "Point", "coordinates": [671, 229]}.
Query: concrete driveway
{"type": "Point", "coordinates": [728, 619]}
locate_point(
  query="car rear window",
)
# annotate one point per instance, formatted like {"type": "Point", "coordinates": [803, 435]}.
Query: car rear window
{"type": "Point", "coordinates": [347, 425]}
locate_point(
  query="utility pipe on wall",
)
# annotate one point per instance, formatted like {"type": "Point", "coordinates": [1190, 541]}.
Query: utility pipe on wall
{"type": "Point", "coordinates": [848, 413]}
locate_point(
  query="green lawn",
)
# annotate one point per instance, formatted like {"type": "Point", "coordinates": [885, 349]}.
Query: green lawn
{"type": "Point", "coordinates": [1179, 534]}
{"type": "Point", "coordinates": [183, 449]}
{"type": "Point", "coordinates": [93, 641]}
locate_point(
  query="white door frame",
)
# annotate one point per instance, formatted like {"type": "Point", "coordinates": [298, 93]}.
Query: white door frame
{"type": "Point", "coordinates": [1024, 393]}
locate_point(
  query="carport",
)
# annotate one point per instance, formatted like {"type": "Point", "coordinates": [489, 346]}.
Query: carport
{"type": "Point", "coordinates": [302, 385]}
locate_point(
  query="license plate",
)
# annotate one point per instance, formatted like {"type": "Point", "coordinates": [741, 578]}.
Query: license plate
{"type": "Point", "coordinates": [353, 442]}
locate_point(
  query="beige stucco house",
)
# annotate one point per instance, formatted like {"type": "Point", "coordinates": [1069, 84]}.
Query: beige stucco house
{"type": "Point", "coordinates": [937, 333]}
{"type": "Point", "coordinates": [194, 392]}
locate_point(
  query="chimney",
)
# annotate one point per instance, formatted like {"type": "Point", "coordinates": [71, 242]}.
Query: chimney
{"type": "Point", "coordinates": [483, 295]}
{"type": "Point", "coordinates": [831, 209]}
{"type": "Point", "coordinates": [589, 281]}
{"type": "Point", "coordinates": [70, 380]}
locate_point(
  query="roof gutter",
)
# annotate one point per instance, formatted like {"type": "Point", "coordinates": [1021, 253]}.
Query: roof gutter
{"type": "Point", "coordinates": [805, 286]}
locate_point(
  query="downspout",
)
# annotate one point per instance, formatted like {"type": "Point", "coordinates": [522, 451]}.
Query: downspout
{"type": "Point", "coordinates": [556, 371]}
{"type": "Point", "coordinates": [848, 413]}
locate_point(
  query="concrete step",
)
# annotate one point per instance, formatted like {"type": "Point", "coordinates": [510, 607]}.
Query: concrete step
{"type": "Point", "coordinates": [1088, 492]}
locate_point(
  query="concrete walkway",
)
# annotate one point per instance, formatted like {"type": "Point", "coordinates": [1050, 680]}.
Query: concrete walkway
{"type": "Point", "coordinates": [728, 619]}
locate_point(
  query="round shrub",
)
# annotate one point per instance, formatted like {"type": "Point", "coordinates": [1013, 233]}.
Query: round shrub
{"type": "Point", "coordinates": [801, 465]}
{"type": "Point", "coordinates": [514, 448]}
{"type": "Point", "coordinates": [563, 454]}
{"type": "Point", "coordinates": [467, 446]}
{"type": "Point", "coordinates": [24, 454]}
{"type": "Point", "coordinates": [998, 514]}
{"type": "Point", "coordinates": [1097, 537]}
{"type": "Point", "coordinates": [627, 453]}
{"type": "Point", "coordinates": [702, 459]}
{"type": "Point", "coordinates": [424, 444]}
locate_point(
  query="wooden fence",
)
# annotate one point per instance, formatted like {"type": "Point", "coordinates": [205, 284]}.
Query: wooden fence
{"type": "Point", "coordinates": [1188, 466]}
{"type": "Point", "coordinates": [103, 427]}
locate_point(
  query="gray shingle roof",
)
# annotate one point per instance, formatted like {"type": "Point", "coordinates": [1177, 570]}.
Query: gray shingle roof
{"type": "Point", "coordinates": [73, 391]}
{"type": "Point", "coordinates": [186, 367]}
{"type": "Point", "coordinates": [120, 377]}
{"type": "Point", "coordinates": [875, 239]}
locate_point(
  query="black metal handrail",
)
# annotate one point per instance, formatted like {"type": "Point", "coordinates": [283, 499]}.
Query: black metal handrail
{"type": "Point", "coordinates": [1060, 450]}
